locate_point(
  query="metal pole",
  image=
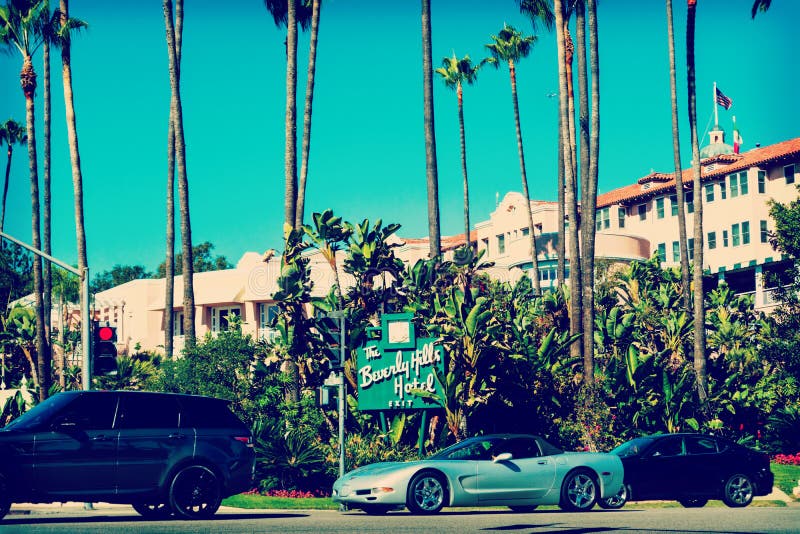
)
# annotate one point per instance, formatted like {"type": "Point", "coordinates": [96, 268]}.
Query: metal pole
{"type": "Point", "coordinates": [86, 320]}
{"type": "Point", "coordinates": [85, 325]}
{"type": "Point", "coordinates": [342, 390]}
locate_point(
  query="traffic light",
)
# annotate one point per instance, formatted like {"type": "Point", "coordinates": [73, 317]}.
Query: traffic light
{"type": "Point", "coordinates": [104, 349]}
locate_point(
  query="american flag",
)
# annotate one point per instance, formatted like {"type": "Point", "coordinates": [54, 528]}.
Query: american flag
{"type": "Point", "coordinates": [723, 100]}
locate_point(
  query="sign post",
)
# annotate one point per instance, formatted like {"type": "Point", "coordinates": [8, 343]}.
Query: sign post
{"type": "Point", "coordinates": [391, 368]}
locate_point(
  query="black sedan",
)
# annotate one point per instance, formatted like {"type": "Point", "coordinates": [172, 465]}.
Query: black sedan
{"type": "Point", "coordinates": [691, 469]}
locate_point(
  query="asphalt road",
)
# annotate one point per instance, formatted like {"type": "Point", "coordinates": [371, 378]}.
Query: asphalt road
{"type": "Point", "coordinates": [629, 520]}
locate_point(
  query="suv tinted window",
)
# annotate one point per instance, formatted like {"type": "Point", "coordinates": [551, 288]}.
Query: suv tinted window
{"type": "Point", "coordinates": [205, 412]}
{"type": "Point", "coordinates": [147, 410]}
{"type": "Point", "coordinates": [92, 411]}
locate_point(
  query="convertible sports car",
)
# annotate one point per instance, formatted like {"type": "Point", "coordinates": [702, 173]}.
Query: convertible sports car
{"type": "Point", "coordinates": [690, 468]}
{"type": "Point", "coordinates": [518, 471]}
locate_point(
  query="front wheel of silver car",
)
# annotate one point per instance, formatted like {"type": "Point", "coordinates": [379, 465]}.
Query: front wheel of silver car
{"type": "Point", "coordinates": [195, 492]}
{"type": "Point", "coordinates": [738, 491]}
{"type": "Point", "coordinates": [578, 491]}
{"type": "Point", "coordinates": [426, 493]}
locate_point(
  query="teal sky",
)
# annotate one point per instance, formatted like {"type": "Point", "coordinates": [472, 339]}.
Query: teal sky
{"type": "Point", "coordinates": [367, 149]}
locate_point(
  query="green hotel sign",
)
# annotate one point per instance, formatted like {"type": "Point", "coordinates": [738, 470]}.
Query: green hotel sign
{"type": "Point", "coordinates": [392, 367]}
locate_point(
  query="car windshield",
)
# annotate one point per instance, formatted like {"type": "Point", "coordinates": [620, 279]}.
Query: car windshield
{"type": "Point", "coordinates": [40, 413]}
{"type": "Point", "coordinates": [469, 449]}
{"type": "Point", "coordinates": [632, 447]}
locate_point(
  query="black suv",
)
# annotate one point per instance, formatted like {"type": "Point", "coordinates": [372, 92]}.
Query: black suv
{"type": "Point", "coordinates": [162, 453]}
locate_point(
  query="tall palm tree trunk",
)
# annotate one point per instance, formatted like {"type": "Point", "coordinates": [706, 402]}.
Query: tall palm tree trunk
{"type": "Point", "coordinates": [587, 228]}
{"type": "Point", "coordinates": [460, 97]}
{"type": "Point", "coordinates": [307, 110]}
{"type": "Point", "coordinates": [176, 110]}
{"type": "Point", "coordinates": [47, 289]}
{"type": "Point", "coordinates": [169, 260]}
{"type": "Point", "coordinates": [290, 152]}
{"type": "Point", "coordinates": [10, 151]}
{"type": "Point", "coordinates": [569, 180]}
{"type": "Point", "coordinates": [431, 171]}
{"type": "Point", "coordinates": [521, 151]}
{"type": "Point", "coordinates": [697, 290]}
{"type": "Point", "coordinates": [676, 152]}
{"type": "Point", "coordinates": [562, 229]}
{"type": "Point", "coordinates": [28, 82]}
{"type": "Point", "coordinates": [74, 153]}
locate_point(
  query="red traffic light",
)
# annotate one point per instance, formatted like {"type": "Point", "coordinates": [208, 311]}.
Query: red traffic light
{"type": "Point", "coordinates": [105, 333]}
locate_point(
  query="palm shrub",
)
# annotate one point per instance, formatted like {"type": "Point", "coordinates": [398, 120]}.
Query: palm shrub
{"type": "Point", "coordinates": [288, 458]}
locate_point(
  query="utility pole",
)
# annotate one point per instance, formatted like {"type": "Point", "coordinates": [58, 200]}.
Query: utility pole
{"type": "Point", "coordinates": [85, 319]}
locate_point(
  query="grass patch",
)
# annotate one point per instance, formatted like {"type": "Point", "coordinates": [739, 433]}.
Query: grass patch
{"type": "Point", "coordinates": [786, 477]}
{"type": "Point", "coordinates": [262, 502]}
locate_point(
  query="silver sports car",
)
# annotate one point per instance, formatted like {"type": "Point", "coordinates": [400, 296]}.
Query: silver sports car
{"type": "Point", "coordinates": [518, 471]}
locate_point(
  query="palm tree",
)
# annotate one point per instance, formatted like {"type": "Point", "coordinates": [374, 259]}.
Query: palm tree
{"type": "Point", "coordinates": [510, 46]}
{"type": "Point", "coordinates": [760, 5]}
{"type": "Point", "coordinates": [11, 133]}
{"type": "Point", "coordinates": [24, 25]}
{"type": "Point", "coordinates": [169, 260]}
{"type": "Point", "coordinates": [676, 151]}
{"type": "Point", "coordinates": [590, 140]}
{"type": "Point", "coordinates": [432, 175]}
{"type": "Point", "coordinates": [63, 39]}
{"type": "Point", "coordinates": [454, 73]}
{"type": "Point", "coordinates": [312, 66]}
{"type": "Point", "coordinates": [47, 276]}
{"type": "Point", "coordinates": [570, 197]}
{"type": "Point", "coordinates": [176, 111]}
{"type": "Point", "coordinates": [697, 278]}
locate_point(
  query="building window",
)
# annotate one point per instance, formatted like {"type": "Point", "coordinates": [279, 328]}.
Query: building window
{"type": "Point", "coordinates": [690, 248]}
{"type": "Point", "coordinates": [722, 191]}
{"type": "Point", "coordinates": [743, 183]}
{"type": "Point", "coordinates": [673, 202]}
{"type": "Point", "coordinates": [762, 182]}
{"type": "Point", "coordinates": [642, 208]}
{"type": "Point", "coordinates": [746, 233]}
{"type": "Point", "coordinates": [736, 238]}
{"type": "Point", "coordinates": [689, 198]}
{"type": "Point", "coordinates": [734, 181]}
{"type": "Point", "coordinates": [712, 240]}
{"type": "Point", "coordinates": [501, 244]}
{"type": "Point", "coordinates": [267, 314]}
{"type": "Point", "coordinates": [660, 208]}
{"type": "Point", "coordinates": [177, 323]}
{"type": "Point", "coordinates": [724, 238]}
{"type": "Point", "coordinates": [621, 217]}
{"type": "Point", "coordinates": [676, 251]}
{"type": "Point", "coordinates": [710, 193]}
{"type": "Point", "coordinates": [526, 232]}
{"type": "Point", "coordinates": [788, 173]}
{"type": "Point", "coordinates": [602, 222]}
{"type": "Point", "coordinates": [764, 232]}
{"type": "Point", "coordinates": [662, 252]}
{"type": "Point", "coordinates": [220, 317]}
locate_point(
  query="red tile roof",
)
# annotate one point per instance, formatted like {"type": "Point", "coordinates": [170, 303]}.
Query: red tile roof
{"type": "Point", "coordinates": [661, 183]}
{"type": "Point", "coordinates": [447, 242]}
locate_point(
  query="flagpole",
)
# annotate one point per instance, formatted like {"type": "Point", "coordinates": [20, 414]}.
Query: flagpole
{"type": "Point", "coordinates": [716, 111]}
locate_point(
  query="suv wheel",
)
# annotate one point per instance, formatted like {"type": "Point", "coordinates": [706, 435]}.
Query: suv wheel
{"type": "Point", "coordinates": [195, 492]}
{"type": "Point", "coordinates": [152, 510]}
{"type": "Point", "coordinates": [738, 491]}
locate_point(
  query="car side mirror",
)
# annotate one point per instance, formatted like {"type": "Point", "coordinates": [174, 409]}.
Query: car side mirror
{"type": "Point", "coordinates": [502, 457]}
